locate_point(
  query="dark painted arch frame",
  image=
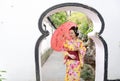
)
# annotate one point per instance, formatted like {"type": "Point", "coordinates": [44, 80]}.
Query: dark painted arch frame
{"type": "Point", "coordinates": [45, 33]}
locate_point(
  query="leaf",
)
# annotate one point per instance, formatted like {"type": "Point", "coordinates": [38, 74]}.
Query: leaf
{"type": "Point", "coordinates": [84, 24]}
{"type": "Point", "coordinates": [58, 18]}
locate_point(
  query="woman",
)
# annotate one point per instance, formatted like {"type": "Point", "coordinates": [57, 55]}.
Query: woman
{"type": "Point", "coordinates": [74, 52]}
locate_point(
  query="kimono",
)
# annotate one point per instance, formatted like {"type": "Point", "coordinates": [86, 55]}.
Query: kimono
{"type": "Point", "coordinates": [73, 66]}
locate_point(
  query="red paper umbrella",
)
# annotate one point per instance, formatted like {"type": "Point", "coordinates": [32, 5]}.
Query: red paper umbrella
{"type": "Point", "coordinates": [60, 35]}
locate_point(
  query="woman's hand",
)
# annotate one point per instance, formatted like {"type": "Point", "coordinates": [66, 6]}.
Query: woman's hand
{"type": "Point", "coordinates": [72, 56]}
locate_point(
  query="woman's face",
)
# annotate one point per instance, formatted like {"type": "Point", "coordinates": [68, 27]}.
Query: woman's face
{"type": "Point", "coordinates": [72, 34]}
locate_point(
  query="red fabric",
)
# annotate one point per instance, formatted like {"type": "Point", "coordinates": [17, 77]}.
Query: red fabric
{"type": "Point", "coordinates": [60, 35]}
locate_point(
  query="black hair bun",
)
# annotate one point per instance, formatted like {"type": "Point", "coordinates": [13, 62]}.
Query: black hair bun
{"type": "Point", "coordinates": [75, 29]}
{"type": "Point", "coordinates": [77, 34]}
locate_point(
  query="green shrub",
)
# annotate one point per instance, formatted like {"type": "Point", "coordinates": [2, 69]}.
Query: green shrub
{"type": "Point", "coordinates": [1, 78]}
{"type": "Point", "coordinates": [59, 18]}
{"type": "Point", "coordinates": [88, 73]}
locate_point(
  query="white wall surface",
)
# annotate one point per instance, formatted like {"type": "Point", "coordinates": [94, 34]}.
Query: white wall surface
{"type": "Point", "coordinates": [45, 44]}
{"type": "Point", "coordinates": [19, 33]}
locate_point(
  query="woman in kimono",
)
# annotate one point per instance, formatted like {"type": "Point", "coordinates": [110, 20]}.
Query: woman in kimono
{"type": "Point", "coordinates": [74, 53]}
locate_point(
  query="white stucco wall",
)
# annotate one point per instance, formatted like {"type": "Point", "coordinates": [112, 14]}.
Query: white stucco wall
{"type": "Point", "coordinates": [45, 44]}
{"type": "Point", "coordinates": [19, 33]}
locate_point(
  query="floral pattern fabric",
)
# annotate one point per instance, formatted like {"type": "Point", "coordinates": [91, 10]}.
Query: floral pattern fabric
{"type": "Point", "coordinates": [73, 67]}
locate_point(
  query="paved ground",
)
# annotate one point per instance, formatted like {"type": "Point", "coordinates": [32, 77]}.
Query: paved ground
{"type": "Point", "coordinates": [54, 68]}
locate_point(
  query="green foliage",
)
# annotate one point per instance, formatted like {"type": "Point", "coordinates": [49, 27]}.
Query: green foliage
{"type": "Point", "coordinates": [84, 24]}
{"type": "Point", "coordinates": [59, 18]}
{"type": "Point", "coordinates": [1, 79]}
{"type": "Point", "coordinates": [87, 73]}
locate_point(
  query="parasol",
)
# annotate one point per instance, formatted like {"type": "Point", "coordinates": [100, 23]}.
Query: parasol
{"type": "Point", "coordinates": [60, 35]}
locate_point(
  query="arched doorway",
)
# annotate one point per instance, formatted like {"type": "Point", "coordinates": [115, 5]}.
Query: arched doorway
{"type": "Point", "coordinates": [100, 44]}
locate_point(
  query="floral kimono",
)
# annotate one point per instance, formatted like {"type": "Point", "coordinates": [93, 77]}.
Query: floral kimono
{"type": "Point", "coordinates": [73, 66]}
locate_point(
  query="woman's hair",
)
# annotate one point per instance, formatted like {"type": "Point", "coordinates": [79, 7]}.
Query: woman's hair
{"type": "Point", "coordinates": [75, 29]}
